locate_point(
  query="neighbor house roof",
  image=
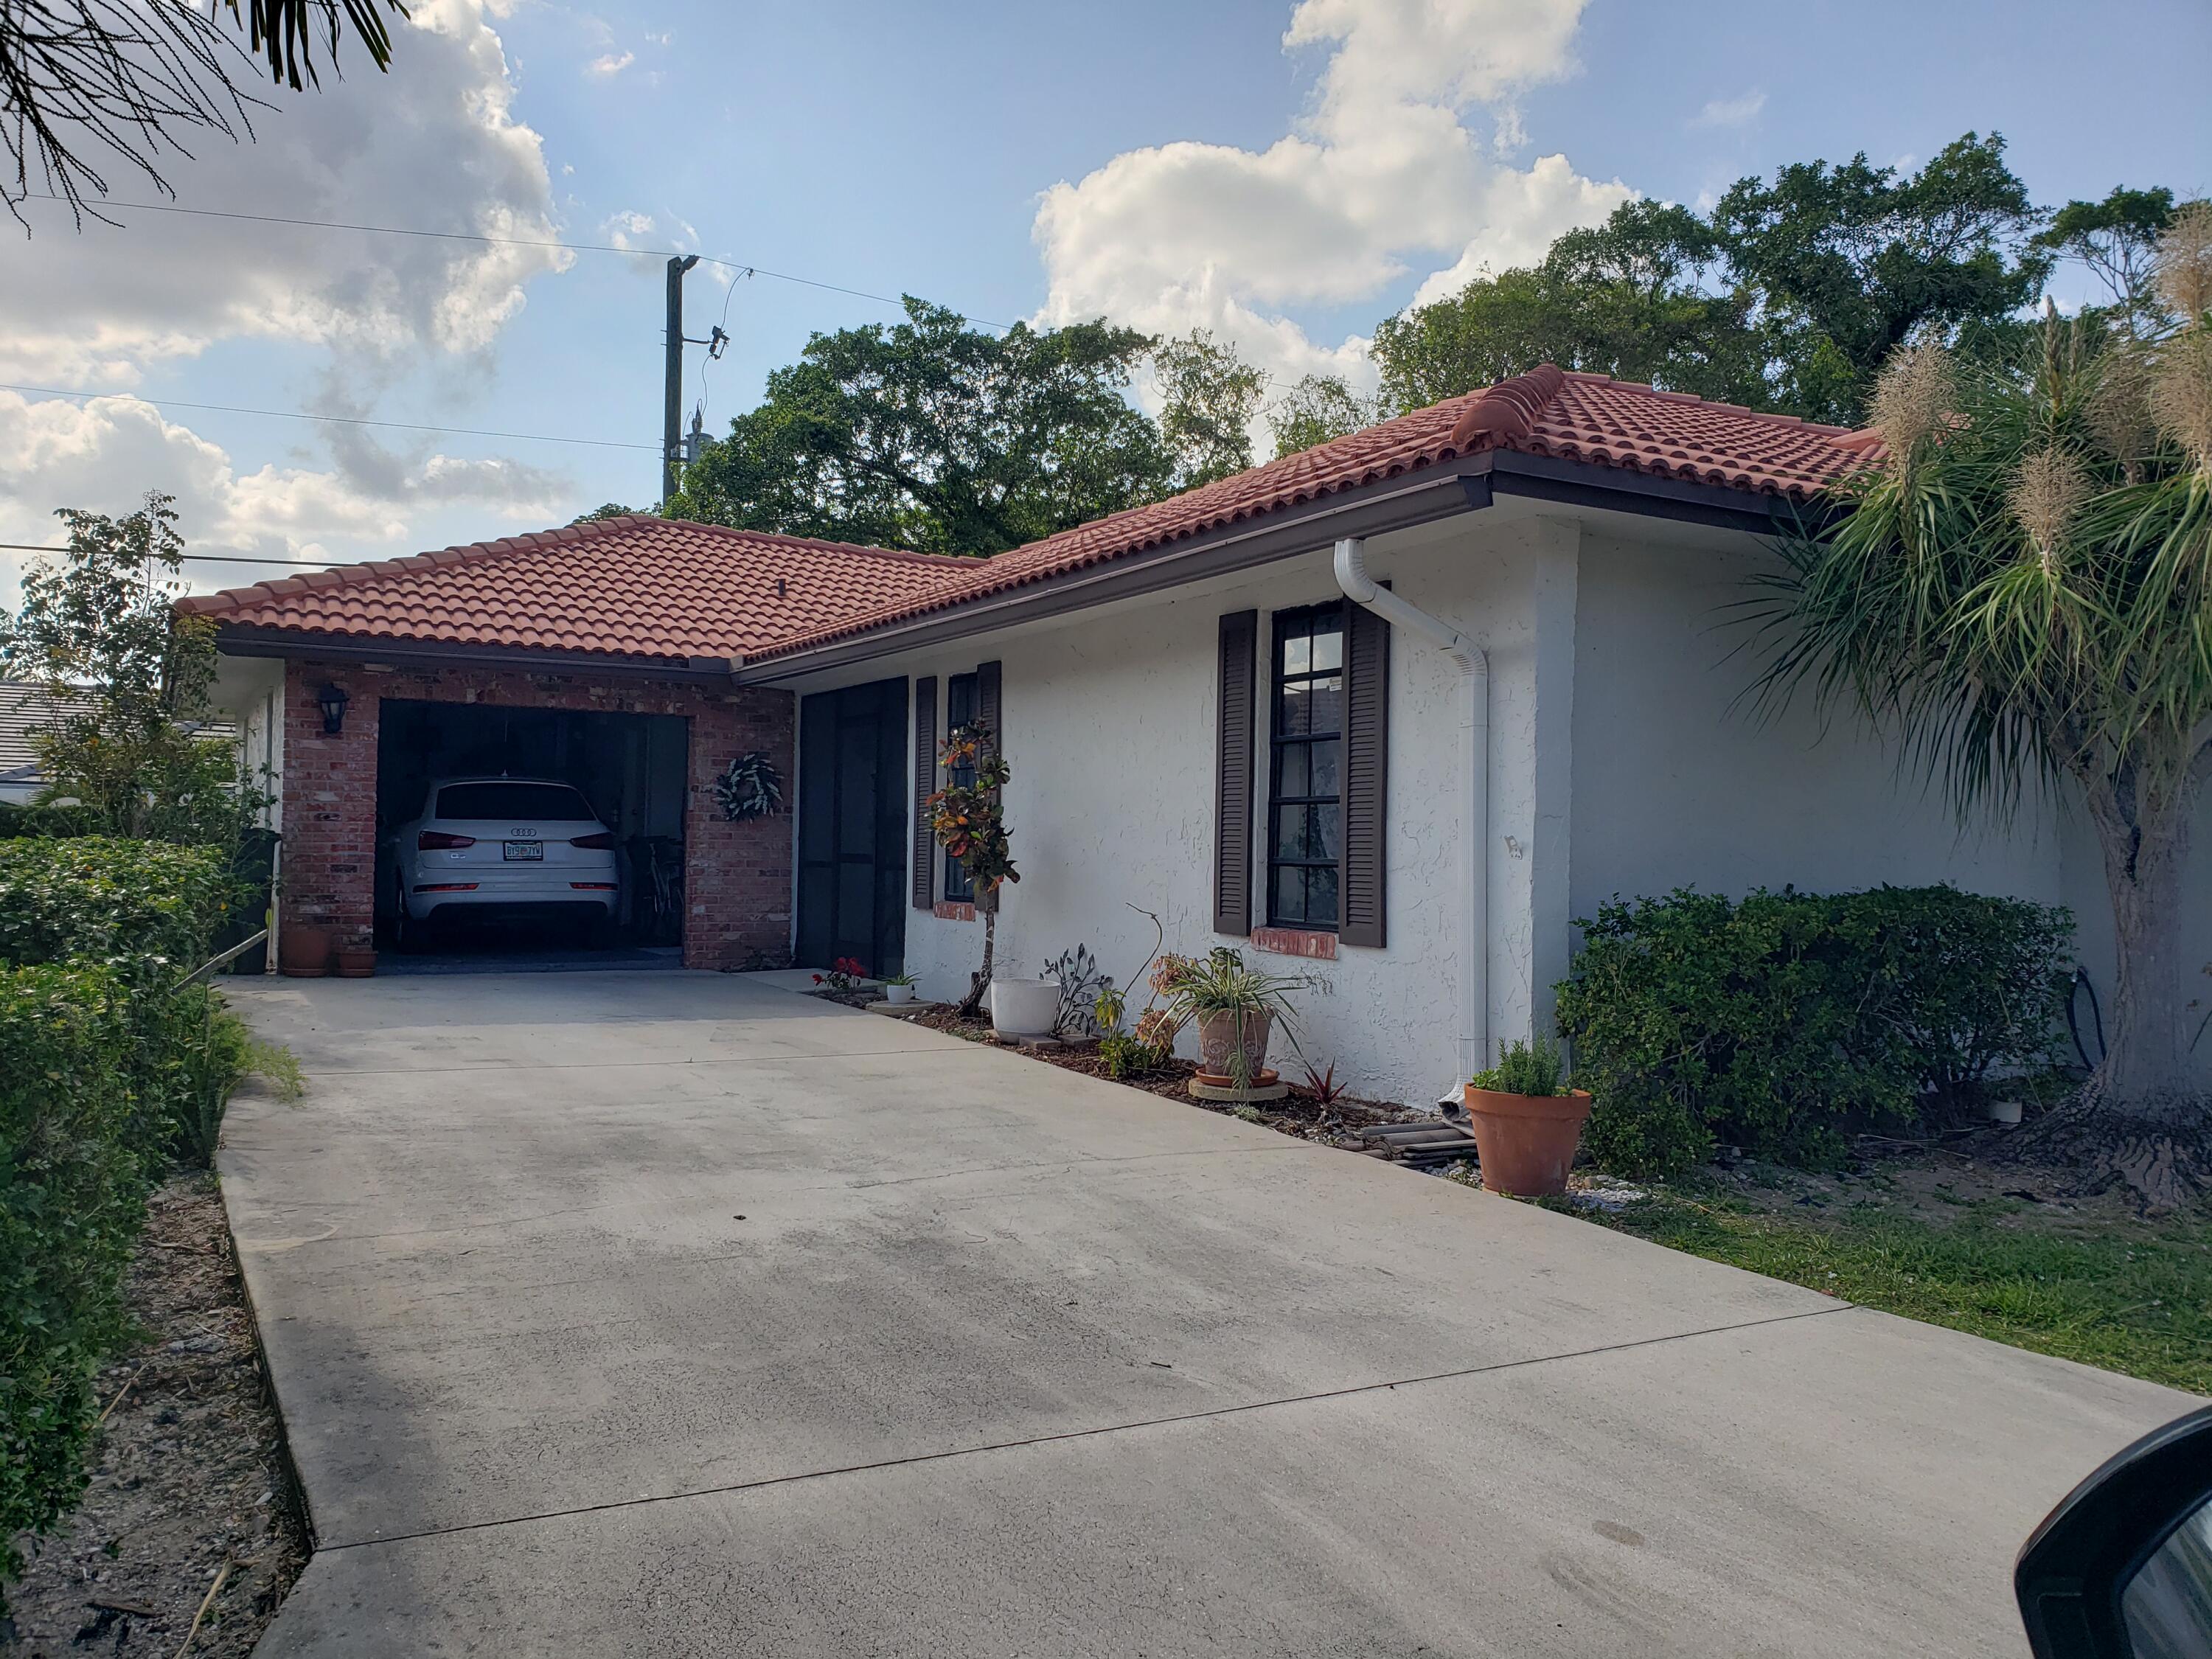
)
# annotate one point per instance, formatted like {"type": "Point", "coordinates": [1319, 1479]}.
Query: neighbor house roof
{"type": "Point", "coordinates": [23, 708]}
{"type": "Point", "coordinates": [1549, 412]}
{"type": "Point", "coordinates": [631, 587]}
{"type": "Point", "coordinates": [667, 590]}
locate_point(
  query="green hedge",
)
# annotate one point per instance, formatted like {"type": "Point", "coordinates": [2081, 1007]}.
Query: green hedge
{"type": "Point", "coordinates": [147, 907]}
{"type": "Point", "coordinates": [106, 1071]}
{"type": "Point", "coordinates": [72, 1190]}
{"type": "Point", "coordinates": [1781, 1022]}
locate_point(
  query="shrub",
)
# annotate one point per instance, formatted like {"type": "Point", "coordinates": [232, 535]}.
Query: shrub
{"type": "Point", "coordinates": [72, 1189]}
{"type": "Point", "coordinates": [1780, 1022]}
{"type": "Point", "coordinates": [145, 906]}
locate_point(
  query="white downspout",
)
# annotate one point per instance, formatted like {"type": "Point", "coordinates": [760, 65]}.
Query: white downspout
{"type": "Point", "coordinates": [1475, 866]}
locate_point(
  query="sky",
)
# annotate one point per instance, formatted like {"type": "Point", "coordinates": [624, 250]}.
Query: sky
{"type": "Point", "coordinates": [1285, 173]}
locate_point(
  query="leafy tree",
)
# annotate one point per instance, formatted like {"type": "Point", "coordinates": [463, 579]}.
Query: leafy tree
{"type": "Point", "coordinates": [130, 683]}
{"type": "Point", "coordinates": [1318, 408]}
{"type": "Point", "coordinates": [121, 77]}
{"type": "Point", "coordinates": [2023, 589]}
{"type": "Point", "coordinates": [1627, 298]}
{"type": "Point", "coordinates": [1211, 396]}
{"type": "Point", "coordinates": [608, 510]}
{"type": "Point", "coordinates": [2117, 239]}
{"type": "Point", "coordinates": [1851, 261]}
{"type": "Point", "coordinates": [1790, 296]}
{"type": "Point", "coordinates": [936, 436]}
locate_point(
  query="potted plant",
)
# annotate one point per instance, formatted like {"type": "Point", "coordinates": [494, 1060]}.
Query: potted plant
{"type": "Point", "coordinates": [1528, 1123]}
{"type": "Point", "coordinates": [898, 988]}
{"type": "Point", "coordinates": [353, 961]}
{"type": "Point", "coordinates": [968, 822]}
{"type": "Point", "coordinates": [1236, 1007]}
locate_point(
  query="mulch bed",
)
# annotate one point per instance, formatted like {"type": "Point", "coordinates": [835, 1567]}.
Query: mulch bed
{"type": "Point", "coordinates": [1337, 1124]}
{"type": "Point", "coordinates": [188, 1479]}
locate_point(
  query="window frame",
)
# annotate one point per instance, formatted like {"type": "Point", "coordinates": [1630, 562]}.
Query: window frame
{"type": "Point", "coordinates": [955, 887]}
{"type": "Point", "coordinates": [1282, 626]}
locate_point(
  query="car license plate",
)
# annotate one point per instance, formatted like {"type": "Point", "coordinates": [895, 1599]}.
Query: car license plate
{"type": "Point", "coordinates": [523, 849]}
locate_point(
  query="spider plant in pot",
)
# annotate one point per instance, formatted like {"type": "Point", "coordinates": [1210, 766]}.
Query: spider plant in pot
{"type": "Point", "coordinates": [1236, 1007]}
{"type": "Point", "coordinates": [1527, 1122]}
{"type": "Point", "coordinates": [898, 988]}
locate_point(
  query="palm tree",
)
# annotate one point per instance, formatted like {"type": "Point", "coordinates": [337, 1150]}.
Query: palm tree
{"type": "Point", "coordinates": [2022, 588]}
{"type": "Point", "coordinates": [85, 83]}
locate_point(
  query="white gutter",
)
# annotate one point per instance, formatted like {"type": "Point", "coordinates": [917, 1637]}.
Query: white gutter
{"type": "Point", "coordinates": [1474, 864]}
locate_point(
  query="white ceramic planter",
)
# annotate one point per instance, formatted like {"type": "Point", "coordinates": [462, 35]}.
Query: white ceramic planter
{"type": "Point", "coordinates": [896, 994]}
{"type": "Point", "coordinates": [1024, 1008]}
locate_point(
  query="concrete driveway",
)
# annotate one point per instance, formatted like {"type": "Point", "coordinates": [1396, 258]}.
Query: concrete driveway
{"type": "Point", "coordinates": [674, 1314]}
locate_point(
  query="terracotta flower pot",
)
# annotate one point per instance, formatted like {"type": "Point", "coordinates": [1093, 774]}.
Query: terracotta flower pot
{"type": "Point", "coordinates": [1218, 1037]}
{"type": "Point", "coordinates": [353, 964]}
{"type": "Point", "coordinates": [304, 952]}
{"type": "Point", "coordinates": [1526, 1143]}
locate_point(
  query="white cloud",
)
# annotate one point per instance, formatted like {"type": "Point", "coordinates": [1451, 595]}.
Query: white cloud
{"type": "Point", "coordinates": [1381, 176]}
{"type": "Point", "coordinates": [432, 144]}
{"type": "Point", "coordinates": [1731, 112]}
{"type": "Point", "coordinates": [628, 229]}
{"type": "Point", "coordinates": [612, 63]}
{"type": "Point", "coordinates": [104, 455]}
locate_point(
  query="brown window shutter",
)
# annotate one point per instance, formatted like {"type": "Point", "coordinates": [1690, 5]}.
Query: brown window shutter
{"type": "Point", "coordinates": [1366, 754]}
{"type": "Point", "coordinates": [925, 785]}
{"type": "Point", "coordinates": [990, 715]}
{"type": "Point", "coordinates": [1234, 762]}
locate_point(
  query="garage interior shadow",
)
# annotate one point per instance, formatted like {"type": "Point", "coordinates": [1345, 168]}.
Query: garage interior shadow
{"type": "Point", "coordinates": [631, 767]}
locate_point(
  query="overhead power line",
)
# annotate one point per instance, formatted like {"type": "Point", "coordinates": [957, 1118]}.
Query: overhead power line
{"type": "Point", "coordinates": [746, 265]}
{"type": "Point", "coordinates": [332, 420]}
{"type": "Point", "coordinates": [198, 558]}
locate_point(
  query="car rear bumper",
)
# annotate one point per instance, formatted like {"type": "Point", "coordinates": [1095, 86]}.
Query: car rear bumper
{"type": "Point", "coordinates": [539, 900]}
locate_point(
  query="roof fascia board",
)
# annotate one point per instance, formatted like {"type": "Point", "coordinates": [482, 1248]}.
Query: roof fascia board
{"type": "Point", "coordinates": [1580, 484]}
{"type": "Point", "coordinates": [1373, 509]}
{"type": "Point", "coordinates": [402, 653]}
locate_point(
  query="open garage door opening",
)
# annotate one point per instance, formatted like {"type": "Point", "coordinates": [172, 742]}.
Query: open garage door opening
{"type": "Point", "coordinates": [547, 835]}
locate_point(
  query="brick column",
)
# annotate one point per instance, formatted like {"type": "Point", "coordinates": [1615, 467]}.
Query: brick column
{"type": "Point", "coordinates": [329, 806]}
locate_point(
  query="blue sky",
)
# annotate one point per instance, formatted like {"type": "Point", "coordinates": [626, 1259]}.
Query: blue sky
{"type": "Point", "coordinates": [1285, 175]}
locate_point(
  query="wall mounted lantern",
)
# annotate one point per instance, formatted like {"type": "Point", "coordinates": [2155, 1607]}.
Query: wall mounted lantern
{"type": "Point", "coordinates": [332, 699]}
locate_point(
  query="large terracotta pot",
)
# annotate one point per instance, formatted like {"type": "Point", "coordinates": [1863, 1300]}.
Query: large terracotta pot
{"type": "Point", "coordinates": [1218, 1038]}
{"type": "Point", "coordinates": [1526, 1143]}
{"type": "Point", "coordinates": [304, 952]}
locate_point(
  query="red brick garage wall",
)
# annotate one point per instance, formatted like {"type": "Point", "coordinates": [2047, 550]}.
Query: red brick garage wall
{"type": "Point", "coordinates": [737, 876]}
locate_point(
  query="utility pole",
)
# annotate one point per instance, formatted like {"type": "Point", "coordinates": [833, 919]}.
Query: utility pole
{"type": "Point", "coordinates": [672, 414]}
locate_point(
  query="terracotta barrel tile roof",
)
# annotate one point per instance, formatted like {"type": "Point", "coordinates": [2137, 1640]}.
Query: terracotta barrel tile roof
{"type": "Point", "coordinates": [1548, 411]}
{"type": "Point", "coordinates": [635, 588]}
{"type": "Point", "coordinates": [665, 590]}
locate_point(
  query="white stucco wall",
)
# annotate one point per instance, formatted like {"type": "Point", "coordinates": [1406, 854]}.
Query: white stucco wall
{"type": "Point", "coordinates": [1679, 782]}
{"type": "Point", "coordinates": [1110, 721]}
{"type": "Point", "coordinates": [1622, 761]}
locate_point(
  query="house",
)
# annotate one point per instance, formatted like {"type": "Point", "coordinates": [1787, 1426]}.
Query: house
{"type": "Point", "coordinates": [22, 711]}
{"type": "Point", "coordinates": [1389, 714]}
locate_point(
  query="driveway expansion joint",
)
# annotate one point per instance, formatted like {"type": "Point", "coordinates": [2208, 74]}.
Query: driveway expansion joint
{"type": "Point", "coordinates": [1097, 1433]}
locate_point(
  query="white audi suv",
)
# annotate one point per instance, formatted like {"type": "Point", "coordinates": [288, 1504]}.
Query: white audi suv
{"type": "Point", "coordinates": [502, 847]}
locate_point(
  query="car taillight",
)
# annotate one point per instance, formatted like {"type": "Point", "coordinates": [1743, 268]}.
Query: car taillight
{"type": "Point", "coordinates": [437, 840]}
{"type": "Point", "coordinates": [599, 843]}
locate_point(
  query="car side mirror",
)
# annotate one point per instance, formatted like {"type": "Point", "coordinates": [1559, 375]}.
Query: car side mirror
{"type": "Point", "coordinates": [2122, 1567]}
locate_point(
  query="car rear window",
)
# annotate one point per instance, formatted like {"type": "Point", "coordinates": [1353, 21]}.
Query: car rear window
{"type": "Point", "coordinates": [546, 803]}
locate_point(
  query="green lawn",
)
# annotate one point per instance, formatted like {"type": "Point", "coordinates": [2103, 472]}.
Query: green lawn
{"type": "Point", "coordinates": [2131, 1296]}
